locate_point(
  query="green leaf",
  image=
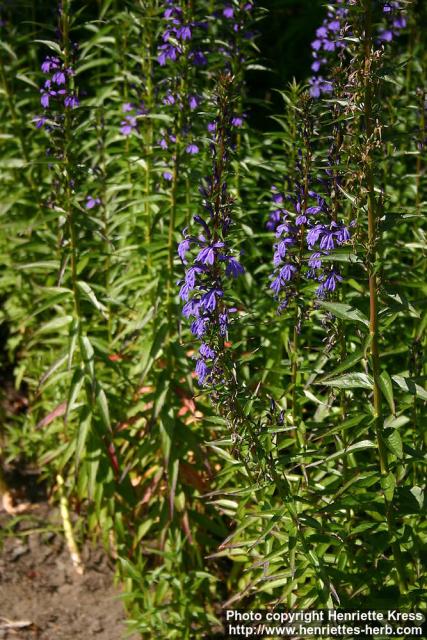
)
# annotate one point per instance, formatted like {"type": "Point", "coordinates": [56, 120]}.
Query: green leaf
{"type": "Point", "coordinates": [350, 381]}
{"type": "Point", "coordinates": [349, 197]}
{"type": "Point", "coordinates": [57, 364]}
{"type": "Point", "coordinates": [52, 45]}
{"type": "Point", "coordinates": [386, 387]}
{"type": "Point", "coordinates": [394, 443]}
{"type": "Point", "coordinates": [9, 50]}
{"type": "Point", "coordinates": [410, 386]}
{"type": "Point", "coordinates": [422, 327]}
{"type": "Point", "coordinates": [55, 324]}
{"type": "Point", "coordinates": [344, 311]}
{"type": "Point", "coordinates": [88, 355]}
{"type": "Point", "coordinates": [12, 163]}
{"type": "Point", "coordinates": [167, 430]}
{"type": "Point", "coordinates": [74, 390]}
{"type": "Point", "coordinates": [394, 423]}
{"type": "Point", "coordinates": [85, 421]}
{"type": "Point", "coordinates": [88, 292]}
{"type": "Point", "coordinates": [343, 426]}
{"type": "Point", "coordinates": [418, 493]}
{"type": "Point", "coordinates": [102, 402]}
{"type": "Point", "coordinates": [358, 446]}
{"type": "Point", "coordinates": [351, 360]}
{"type": "Point", "coordinates": [388, 485]}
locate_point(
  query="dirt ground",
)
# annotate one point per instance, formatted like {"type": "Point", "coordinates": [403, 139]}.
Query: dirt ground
{"type": "Point", "coordinates": [41, 595]}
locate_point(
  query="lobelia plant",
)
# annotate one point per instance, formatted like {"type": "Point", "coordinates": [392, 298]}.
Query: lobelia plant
{"type": "Point", "coordinates": [333, 37]}
{"type": "Point", "coordinates": [203, 289]}
{"type": "Point", "coordinates": [348, 163]}
{"type": "Point", "coordinates": [291, 474]}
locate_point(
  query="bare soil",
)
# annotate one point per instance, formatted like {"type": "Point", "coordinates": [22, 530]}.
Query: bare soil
{"type": "Point", "coordinates": [41, 595]}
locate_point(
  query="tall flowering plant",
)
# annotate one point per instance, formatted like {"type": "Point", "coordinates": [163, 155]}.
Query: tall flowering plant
{"type": "Point", "coordinates": [334, 36]}
{"type": "Point", "coordinates": [307, 229]}
{"type": "Point", "coordinates": [204, 288]}
{"type": "Point", "coordinates": [182, 54]}
{"type": "Point", "coordinates": [315, 474]}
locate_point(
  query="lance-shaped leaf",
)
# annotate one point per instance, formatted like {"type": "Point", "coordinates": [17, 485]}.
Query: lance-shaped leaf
{"type": "Point", "coordinates": [350, 381]}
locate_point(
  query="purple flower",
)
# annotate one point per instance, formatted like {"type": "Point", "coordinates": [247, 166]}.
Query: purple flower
{"type": "Point", "coordinates": [183, 247]}
{"type": "Point", "coordinates": [185, 291]}
{"type": "Point", "coordinates": [285, 227]}
{"type": "Point", "coordinates": [343, 235]}
{"type": "Point", "coordinates": [92, 202]}
{"type": "Point", "coordinates": [314, 234]}
{"type": "Point", "coordinates": [233, 268]}
{"type": "Point", "coordinates": [191, 274]}
{"type": "Point", "coordinates": [192, 149]}
{"type": "Point", "coordinates": [184, 33]}
{"type": "Point", "coordinates": [199, 58]}
{"type": "Point", "coordinates": [39, 121]}
{"type": "Point", "coordinates": [395, 21]}
{"type": "Point", "coordinates": [202, 371]}
{"type": "Point", "coordinates": [207, 352]}
{"type": "Point", "coordinates": [193, 102]}
{"type": "Point", "coordinates": [319, 86]}
{"type": "Point", "coordinates": [50, 63]}
{"type": "Point", "coordinates": [313, 210]}
{"type": "Point", "coordinates": [329, 284]}
{"type": "Point", "coordinates": [167, 52]}
{"type": "Point", "coordinates": [72, 102]}
{"type": "Point", "coordinates": [334, 25]}
{"type": "Point", "coordinates": [317, 64]}
{"type": "Point", "coordinates": [325, 233]}
{"type": "Point", "coordinates": [328, 39]}
{"type": "Point", "coordinates": [192, 308]}
{"type": "Point", "coordinates": [282, 249]}
{"type": "Point", "coordinates": [128, 125]}
{"type": "Point", "coordinates": [276, 285]}
{"type": "Point", "coordinates": [207, 254]}
{"type": "Point", "coordinates": [322, 32]}
{"type": "Point", "coordinates": [199, 327]}
{"type": "Point", "coordinates": [274, 220]}
{"type": "Point", "coordinates": [167, 175]}
{"type": "Point", "coordinates": [399, 23]}
{"type": "Point", "coordinates": [327, 241]}
{"type": "Point", "coordinates": [276, 197]}
{"type": "Point", "coordinates": [223, 321]}
{"type": "Point", "coordinates": [302, 219]}
{"type": "Point", "coordinates": [203, 286]}
{"type": "Point", "coordinates": [58, 78]}
{"type": "Point", "coordinates": [287, 272]}
{"type": "Point", "coordinates": [45, 100]}
{"type": "Point", "coordinates": [315, 261]}
{"type": "Point", "coordinates": [228, 12]}
{"type": "Point", "coordinates": [386, 35]}
{"type": "Point", "coordinates": [169, 98]}
{"type": "Point", "coordinates": [202, 222]}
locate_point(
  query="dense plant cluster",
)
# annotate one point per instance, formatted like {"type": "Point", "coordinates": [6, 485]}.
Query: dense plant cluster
{"type": "Point", "coordinates": [219, 331]}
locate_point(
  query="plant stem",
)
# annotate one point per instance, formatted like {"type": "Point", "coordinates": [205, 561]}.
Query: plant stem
{"type": "Point", "coordinates": [148, 67]}
{"type": "Point", "coordinates": [65, 31]}
{"type": "Point", "coordinates": [373, 255]}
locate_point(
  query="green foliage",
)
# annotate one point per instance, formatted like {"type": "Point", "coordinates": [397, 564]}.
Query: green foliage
{"type": "Point", "coordinates": [300, 479]}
